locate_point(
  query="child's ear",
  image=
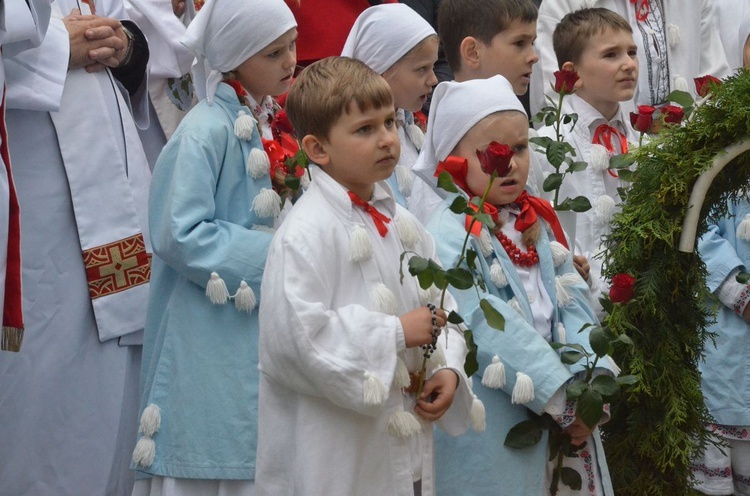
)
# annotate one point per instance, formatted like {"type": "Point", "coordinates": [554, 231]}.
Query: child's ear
{"type": "Point", "coordinates": [570, 66]}
{"type": "Point", "coordinates": [469, 51]}
{"type": "Point", "coordinates": [315, 150]}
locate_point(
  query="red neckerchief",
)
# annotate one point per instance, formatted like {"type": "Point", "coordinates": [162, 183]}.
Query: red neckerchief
{"type": "Point", "coordinates": [378, 218]}
{"type": "Point", "coordinates": [642, 11]}
{"type": "Point", "coordinates": [457, 168]}
{"type": "Point", "coordinates": [476, 227]}
{"type": "Point", "coordinates": [12, 306]}
{"type": "Point", "coordinates": [603, 136]}
{"type": "Point", "coordinates": [533, 206]}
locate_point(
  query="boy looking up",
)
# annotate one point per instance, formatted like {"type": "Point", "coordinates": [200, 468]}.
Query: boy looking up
{"type": "Point", "coordinates": [340, 332]}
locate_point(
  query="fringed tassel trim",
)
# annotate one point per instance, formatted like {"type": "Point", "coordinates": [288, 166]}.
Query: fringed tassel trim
{"type": "Point", "coordinates": [145, 449]}
{"type": "Point", "coordinates": [523, 391]}
{"type": "Point", "coordinates": [604, 208]}
{"type": "Point", "coordinates": [598, 157]}
{"type": "Point", "coordinates": [478, 415]}
{"type": "Point", "coordinates": [674, 37]}
{"type": "Point", "coordinates": [497, 275]}
{"type": "Point", "coordinates": [494, 374]}
{"type": "Point", "coordinates": [562, 334]}
{"type": "Point", "coordinates": [405, 180]}
{"type": "Point", "coordinates": [416, 136]}
{"type": "Point", "coordinates": [216, 290]}
{"type": "Point", "coordinates": [743, 230]}
{"type": "Point", "coordinates": [407, 231]}
{"type": "Point", "coordinates": [680, 83]}
{"type": "Point", "coordinates": [383, 300]}
{"type": "Point", "coordinates": [374, 390]}
{"type": "Point", "coordinates": [402, 380]}
{"type": "Point", "coordinates": [267, 203]}
{"type": "Point", "coordinates": [403, 424]}
{"type": "Point", "coordinates": [562, 283]}
{"type": "Point", "coordinates": [244, 298]}
{"type": "Point", "coordinates": [244, 125]}
{"type": "Point", "coordinates": [485, 243]}
{"type": "Point", "coordinates": [12, 339]}
{"type": "Point", "coordinates": [258, 163]}
{"type": "Point", "coordinates": [360, 246]}
{"type": "Point", "coordinates": [559, 253]}
{"type": "Point", "coordinates": [516, 305]}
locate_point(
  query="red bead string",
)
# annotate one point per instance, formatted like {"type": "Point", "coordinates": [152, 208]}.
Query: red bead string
{"type": "Point", "coordinates": [528, 259]}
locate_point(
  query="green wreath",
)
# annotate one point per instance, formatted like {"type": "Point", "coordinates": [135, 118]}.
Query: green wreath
{"type": "Point", "coordinates": [658, 428]}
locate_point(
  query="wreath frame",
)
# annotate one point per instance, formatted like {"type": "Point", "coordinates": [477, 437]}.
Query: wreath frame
{"type": "Point", "coordinates": [657, 430]}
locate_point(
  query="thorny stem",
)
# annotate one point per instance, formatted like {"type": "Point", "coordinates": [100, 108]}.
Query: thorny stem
{"type": "Point", "coordinates": [558, 138]}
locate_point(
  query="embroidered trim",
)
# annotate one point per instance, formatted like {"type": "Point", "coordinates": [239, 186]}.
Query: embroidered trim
{"type": "Point", "coordinates": [568, 416]}
{"type": "Point", "coordinates": [117, 266]}
{"type": "Point", "coordinates": [712, 473]}
{"type": "Point", "coordinates": [588, 465]}
{"type": "Point", "coordinates": [729, 431]}
{"type": "Point", "coordinates": [742, 301]}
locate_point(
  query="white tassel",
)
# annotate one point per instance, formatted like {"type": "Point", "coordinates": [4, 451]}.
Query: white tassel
{"type": "Point", "coordinates": [244, 125]}
{"type": "Point", "coordinates": [405, 180]}
{"type": "Point", "coordinates": [150, 420]}
{"type": "Point", "coordinates": [485, 243]}
{"type": "Point", "coordinates": [144, 452]}
{"type": "Point", "coordinates": [402, 379]}
{"type": "Point", "coordinates": [562, 334]}
{"type": "Point", "coordinates": [263, 228]}
{"type": "Point", "coordinates": [304, 181]}
{"type": "Point", "coordinates": [374, 390]}
{"type": "Point", "coordinates": [516, 305]}
{"type": "Point", "coordinates": [680, 83]}
{"type": "Point", "coordinates": [478, 415]}
{"type": "Point", "coordinates": [360, 246]}
{"type": "Point", "coordinates": [258, 163]}
{"type": "Point", "coordinates": [497, 275]}
{"type": "Point", "coordinates": [523, 391]}
{"type": "Point", "coordinates": [403, 424]}
{"type": "Point", "coordinates": [604, 208]}
{"type": "Point", "coordinates": [437, 359]}
{"type": "Point", "coordinates": [429, 295]}
{"type": "Point", "coordinates": [267, 203]}
{"type": "Point", "coordinates": [383, 300]}
{"type": "Point", "coordinates": [416, 136]}
{"type": "Point", "coordinates": [598, 158]}
{"type": "Point", "coordinates": [614, 366]}
{"type": "Point", "coordinates": [559, 253]}
{"type": "Point", "coordinates": [494, 374]}
{"type": "Point", "coordinates": [244, 298]}
{"type": "Point", "coordinates": [216, 290]}
{"type": "Point", "coordinates": [673, 35]}
{"type": "Point", "coordinates": [407, 231]}
{"type": "Point", "coordinates": [743, 230]}
{"type": "Point", "coordinates": [562, 283]}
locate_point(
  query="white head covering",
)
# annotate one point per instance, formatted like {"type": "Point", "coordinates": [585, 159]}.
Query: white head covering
{"type": "Point", "coordinates": [744, 33]}
{"type": "Point", "coordinates": [225, 33]}
{"type": "Point", "coordinates": [455, 109]}
{"type": "Point", "coordinates": [383, 34]}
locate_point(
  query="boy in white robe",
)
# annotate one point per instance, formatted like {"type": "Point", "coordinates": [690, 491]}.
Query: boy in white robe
{"type": "Point", "coordinates": [340, 333]}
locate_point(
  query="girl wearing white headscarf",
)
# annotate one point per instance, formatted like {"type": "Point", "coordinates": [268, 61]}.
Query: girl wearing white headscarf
{"type": "Point", "coordinates": [529, 278]}
{"type": "Point", "coordinates": [396, 42]}
{"type": "Point", "coordinates": [212, 208]}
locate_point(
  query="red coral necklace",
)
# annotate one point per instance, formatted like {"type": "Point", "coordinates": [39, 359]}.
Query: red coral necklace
{"type": "Point", "coordinates": [528, 259]}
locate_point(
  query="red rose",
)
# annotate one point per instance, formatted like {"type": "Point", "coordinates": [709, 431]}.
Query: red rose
{"type": "Point", "coordinates": [622, 288]}
{"type": "Point", "coordinates": [565, 81]}
{"type": "Point", "coordinates": [282, 123]}
{"type": "Point", "coordinates": [644, 119]}
{"type": "Point", "coordinates": [495, 159]}
{"type": "Point", "coordinates": [704, 84]}
{"type": "Point", "coordinates": [274, 151]}
{"type": "Point", "coordinates": [672, 114]}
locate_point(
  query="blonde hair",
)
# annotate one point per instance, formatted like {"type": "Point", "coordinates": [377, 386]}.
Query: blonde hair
{"type": "Point", "coordinates": [325, 89]}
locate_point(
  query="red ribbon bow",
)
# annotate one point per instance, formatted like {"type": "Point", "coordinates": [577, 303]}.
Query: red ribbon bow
{"type": "Point", "coordinates": [378, 218]}
{"type": "Point", "coordinates": [641, 11]}
{"type": "Point", "coordinates": [531, 208]}
{"type": "Point", "coordinates": [476, 227]}
{"type": "Point", "coordinates": [604, 134]}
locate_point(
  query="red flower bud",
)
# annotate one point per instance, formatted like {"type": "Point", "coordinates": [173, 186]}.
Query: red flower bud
{"type": "Point", "coordinates": [565, 81]}
{"type": "Point", "coordinates": [495, 159]}
{"type": "Point", "coordinates": [672, 114]}
{"type": "Point", "coordinates": [281, 122]}
{"type": "Point", "coordinates": [644, 119]}
{"type": "Point", "coordinates": [704, 84]}
{"type": "Point", "coordinates": [622, 288]}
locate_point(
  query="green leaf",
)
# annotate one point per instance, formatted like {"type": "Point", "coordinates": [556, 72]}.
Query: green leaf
{"type": "Point", "coordinates": [445, 181]}
{"type": "Point", "coordinates": [555, 153]}
{"type": "Point", "coordinates": [606, 386]}
{"type": "Point", "coordinates": [627, 175]}
{"type": "Point", "coordinates": [576, 389]}
{"type": "Point", "coordinates": [682, 98]}
{"type": "Point", "coordinates": [590, 407]}
{"type": "Point", "coordinates": [742, 277]}
{"type": "Point", "coordinates": [471, 365]}
{"type": "Point", "coordinates": [571, 478]}
{"type": "Point", "coordinates": [425, 279]}
{"type": "Point", "coordinates": [485, 219]}
{"type": "Point", "coordinates": [577, 166]}
{"type": "Point", "coordinates": [574, 119]}
{"type": "Point", "coordinates": [549, 119]}
{"type": "Point", "coordinates": [459, 204]}
{"type": "Point", "coordinates": [439, 279]}
{"type": "Point", "coordinates": [576, 346]}
{"type": "Point", "coordinates": [599, 342]}
{"type": "Point", "coordinates": [621, 161]}
{"type": "Point", "coordinates": [541, 141]}
{"type": "Point", "coordinates": [571, 357]}
{"type": "Point", "coordinates": [471, 258]}
{"type": "Point", "coordinates": [556, 346]}
{"type": "Point", "coordinates": [418, 264]}
{"type": "Point", "coordinates": [627, 380]}
{"type": "Point", "coordinates": [524, 434]}
{"type": "Point", "coordinates": [606, 304]}
{"type": "Point", "coordinates": [455, 318]}
{"type": "Point", "coordinates": [292, 182]}
{"type": "Point", "coordinates": [579, 204]}
{"type": "Point", "coordinates": [494, 318]}
{"type": "Point", "coordinates": [552, 182]}
{"type": "Point", "coordinates": [459, 278]}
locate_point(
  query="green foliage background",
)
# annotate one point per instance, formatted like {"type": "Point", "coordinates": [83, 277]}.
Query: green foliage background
{"type": "Point", "coordinates": [652, 436]}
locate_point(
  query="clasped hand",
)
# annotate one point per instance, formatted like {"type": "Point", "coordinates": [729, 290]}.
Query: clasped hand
{"type": "Point", "coordinates": [95, 42]}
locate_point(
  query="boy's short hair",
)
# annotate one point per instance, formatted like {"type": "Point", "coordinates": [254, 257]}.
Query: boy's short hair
{"type": "Point", "coordinates": [574, 32]}
{"type": "Point", "coordinates": [481, 19]}
{"type": "Point", "coordinates": [324, 90]}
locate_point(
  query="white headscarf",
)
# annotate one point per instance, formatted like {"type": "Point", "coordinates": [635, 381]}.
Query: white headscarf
{"type": "Point", "coordinates": [455, 109]}
{"type": "Point", "coordinates": [383, 34]}
{"type": "Point", "coordinates": [225, 33]}
{"type": "Point", "coordinates": [744, 33]}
